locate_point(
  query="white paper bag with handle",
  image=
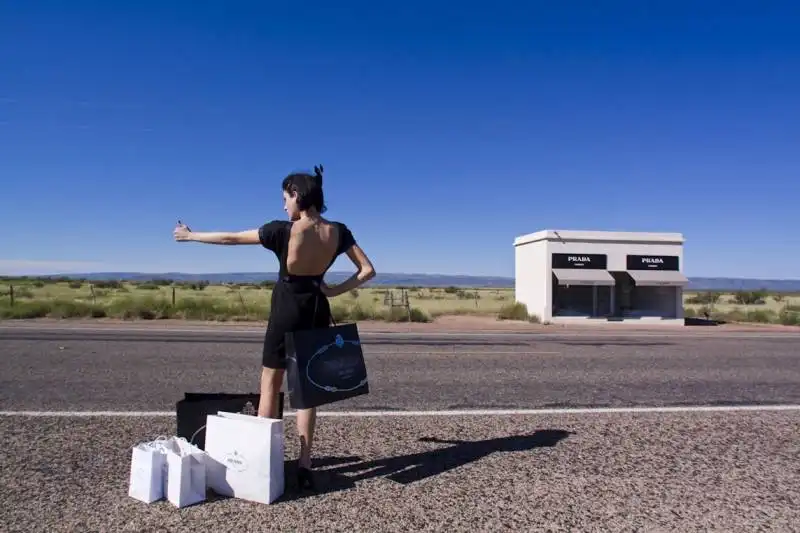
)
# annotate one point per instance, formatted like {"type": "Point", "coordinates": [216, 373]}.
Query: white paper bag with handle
{"type": "Point", "coordinates": [245, 456]}
{"type": "Point", "coordinates": [148, 471]}
{"type": "Point", "coordinates": [186, 472]}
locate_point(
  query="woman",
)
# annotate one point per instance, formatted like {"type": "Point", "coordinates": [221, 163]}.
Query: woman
{"type": "Point", "coordinates": [306, 246]}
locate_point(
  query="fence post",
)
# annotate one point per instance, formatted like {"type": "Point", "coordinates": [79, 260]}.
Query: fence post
{"type": "Point", "coordinates": [173, 296]}
{"type": "Point", "coordinates": [11, 294]}
{"type": "Point", "coordinates": [94, 296]}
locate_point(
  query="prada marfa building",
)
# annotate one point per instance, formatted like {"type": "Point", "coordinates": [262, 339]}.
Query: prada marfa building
{"type": "Point", "coordinates": [578, 275]}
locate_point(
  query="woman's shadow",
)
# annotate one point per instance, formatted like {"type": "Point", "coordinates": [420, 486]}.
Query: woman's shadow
{"type": "Point", "coordinates": [341, 473]}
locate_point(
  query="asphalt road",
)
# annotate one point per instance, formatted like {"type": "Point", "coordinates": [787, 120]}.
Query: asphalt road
{"type": "Point", "coordinates": [149, 371]}
{"type": "Point", "coordinates": [631, 471]}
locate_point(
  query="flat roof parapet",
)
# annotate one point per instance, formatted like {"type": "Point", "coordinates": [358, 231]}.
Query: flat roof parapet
{"type": "Point", "coordinates": [632, 237]}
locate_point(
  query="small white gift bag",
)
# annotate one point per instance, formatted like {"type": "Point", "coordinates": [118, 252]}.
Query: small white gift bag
{"type": "Point", "coordinates": [245, 456]}
{"type": "Point", "coordinates": [148, 471]}
{"type": "Point", "coordinates": [186, 472]}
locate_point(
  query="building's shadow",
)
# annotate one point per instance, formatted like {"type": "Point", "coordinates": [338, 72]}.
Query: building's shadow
{"type": "Point", "coordinates": [337, 473]}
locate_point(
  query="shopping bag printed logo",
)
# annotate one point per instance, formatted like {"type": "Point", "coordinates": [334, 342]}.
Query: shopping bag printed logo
{"type": "Point", "coordinates": [236, 461]}
{"type": "Point", "coordinates": [336, 372]}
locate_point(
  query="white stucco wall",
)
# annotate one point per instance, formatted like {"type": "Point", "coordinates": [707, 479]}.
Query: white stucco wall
{"type": "Point", "coordinates": [530, 286]}
{"type": "Point", "coordinates": [533, 279]}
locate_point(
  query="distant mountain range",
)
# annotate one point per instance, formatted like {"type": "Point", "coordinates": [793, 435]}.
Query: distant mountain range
{"type": "Point", "coordinates": [434, 280]}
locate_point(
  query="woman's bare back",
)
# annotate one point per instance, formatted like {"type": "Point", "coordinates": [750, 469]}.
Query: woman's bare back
{"type": "Point", "coordinates": [312, 247]}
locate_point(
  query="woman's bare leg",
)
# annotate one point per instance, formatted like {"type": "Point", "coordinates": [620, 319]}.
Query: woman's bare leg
{"type": "Point", "coordinates": [306, 422]}
{"type": "Point", "coordinates": [271, 381]}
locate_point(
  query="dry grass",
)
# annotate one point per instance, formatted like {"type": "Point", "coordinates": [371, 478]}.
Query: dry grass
{"type": "Point", "coordinates": [234, 302]}
{"type": "Point", "coordinates": [250, 302]}
{"type": "Point", "coordinates": [746, 307]}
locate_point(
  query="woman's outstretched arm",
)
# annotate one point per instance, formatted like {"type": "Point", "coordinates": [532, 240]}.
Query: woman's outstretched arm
{"type": "Point", "coordinates": [184, 233]}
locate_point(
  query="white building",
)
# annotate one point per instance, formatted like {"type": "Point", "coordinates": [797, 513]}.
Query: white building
{"type": "Point", "coordinates": [579, 275]}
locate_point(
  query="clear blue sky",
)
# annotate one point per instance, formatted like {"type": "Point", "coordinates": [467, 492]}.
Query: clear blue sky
{"type": "Point", "coordinates": [446, 128]}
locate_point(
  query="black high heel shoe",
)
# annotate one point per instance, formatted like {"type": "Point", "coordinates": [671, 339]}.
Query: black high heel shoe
{"type": "Point", "coordinates": [305, 479]}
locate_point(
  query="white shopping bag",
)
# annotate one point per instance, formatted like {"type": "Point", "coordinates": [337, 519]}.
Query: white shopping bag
{"type": "Point", "coordinates": [186, 472]}
{"type": "Point", "coordinates": [245, 456]}
{"type": "Point", "coordinates": [148, 470]}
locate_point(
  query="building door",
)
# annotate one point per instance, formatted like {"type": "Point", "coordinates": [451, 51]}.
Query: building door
{"type": "Point", "coordinates": [624, 289]}
{"type": "Point", "coordinates": [603, 307]}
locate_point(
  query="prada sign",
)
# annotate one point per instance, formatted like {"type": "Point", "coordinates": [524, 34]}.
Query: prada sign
{"type": "Point", "coordinates": [653, 262]}
{"type": "Point", "coordinates": [586, 261]}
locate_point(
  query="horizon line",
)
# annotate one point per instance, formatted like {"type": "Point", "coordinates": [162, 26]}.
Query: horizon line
{"type": "Point", "coordinates": [265, 273]}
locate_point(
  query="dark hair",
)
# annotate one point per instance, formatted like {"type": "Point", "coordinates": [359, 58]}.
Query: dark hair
{"type": "Point", "coordinates": [308, 188]}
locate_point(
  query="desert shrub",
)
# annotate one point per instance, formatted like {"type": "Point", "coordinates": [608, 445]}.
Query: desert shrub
{"type": "Point", "coordinates": [108, 284]}
{"type": "Point", "coordinates": [465, 295]}
{"type": "Point", "coordinates": [734, 315]}
{"type": "Point", "coordinates": [787, 317]}
{"type": "Point", "coordinates": [354, 293]}
{"type": "Point", "coordinates": [750, 297]}
{"type": "Point", "coordinates": [148, 287]}
{"type": "Point", "coordinates": [704, 298]}
{"type": "Point", "coordinates": [148, 308]}
{"type": "Point", "coordinates": [451, 290]}
{"type": "Point", "coordinates": [74, 309]}
{"type": "Point", "coordinates": [38, 284]}
{"type": "Point", "coordinates": [75, 284]}
{"type": "Point", "coordinates": [515, 311]}
{"type": "Point", "coordinates": [340, 313]}
{"type": "Point", "coordinates": [24, 310]}
{"type": "Point", "coordinates": [22, 292]}
{"type": "Point", "coordinates": [399, 314]}
{"type": "Point", "coordinates": [217, 309]}
{"type": "Point", "coordinates": [762, 316]}
{"type": "Point", "coordinates": [358, 312]}
{"type": "Point", "coordinates": [689, 312]}
{"type": "Point", "coordinates": [419, 315]}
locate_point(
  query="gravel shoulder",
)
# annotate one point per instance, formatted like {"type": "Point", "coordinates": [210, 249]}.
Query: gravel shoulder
{"type": "Point", "coordinates": [682, 472]}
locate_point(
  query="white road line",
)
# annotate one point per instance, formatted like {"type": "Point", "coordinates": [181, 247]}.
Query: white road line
{"type": "Point", "coordinates": [464, 412]}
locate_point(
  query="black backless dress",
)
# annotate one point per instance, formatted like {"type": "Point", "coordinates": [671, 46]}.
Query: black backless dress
{"type": "Point", "coordinates": [297, 301]}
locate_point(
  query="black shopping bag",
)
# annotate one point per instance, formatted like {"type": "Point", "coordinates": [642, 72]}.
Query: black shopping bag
{"type": "Point", "coordinates": [193, 409]}
{"type": "Point", "coordinates": [324, 365]}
